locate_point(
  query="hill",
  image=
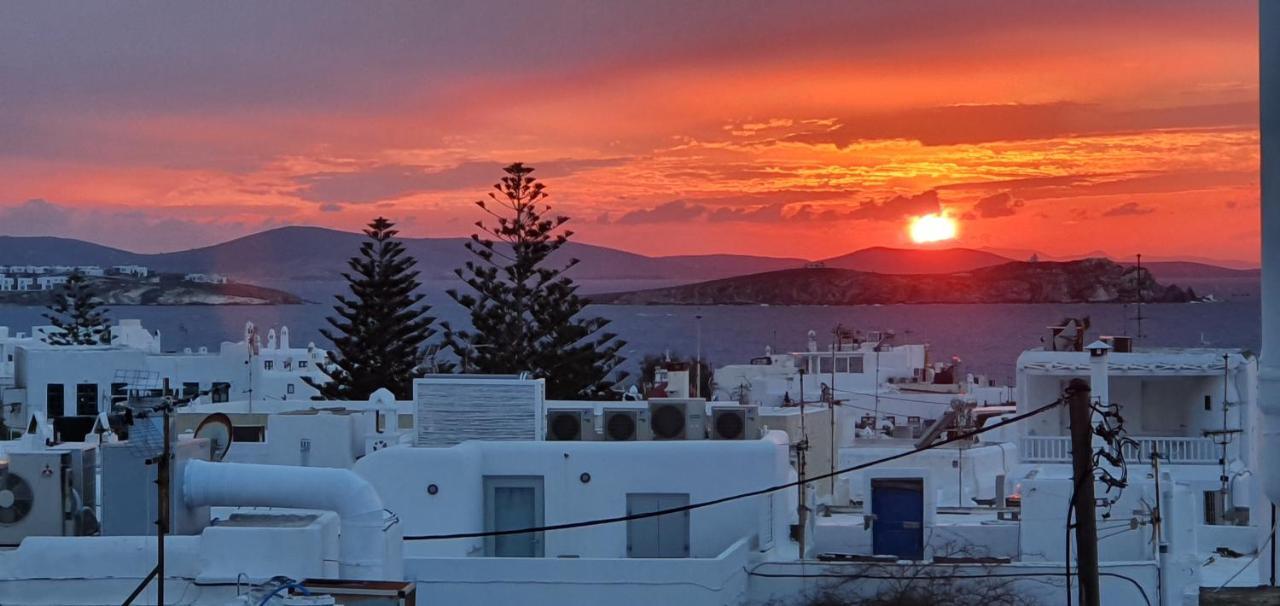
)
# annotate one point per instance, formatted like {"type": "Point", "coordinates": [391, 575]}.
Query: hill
{"type": "Point", "coordinates": [1086, 281]}
{"type": "Point", "coordinates": [884, 260]}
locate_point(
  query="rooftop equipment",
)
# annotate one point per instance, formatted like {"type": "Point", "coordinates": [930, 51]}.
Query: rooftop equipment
{"type": "Point", "coordinates": [621, 423]}
{"type": "Point", "coordinates": [734, 422]}
{"type": "Point", "coordinates": [571, 423]}
{"type": "Point", "coordinates": [678, 419]}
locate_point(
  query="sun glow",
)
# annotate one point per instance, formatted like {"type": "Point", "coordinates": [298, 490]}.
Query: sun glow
{"type": "Point", "coordinates": [932, 228]}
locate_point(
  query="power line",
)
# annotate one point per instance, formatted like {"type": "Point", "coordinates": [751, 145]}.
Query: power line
{"type": "Point", "coordinates": [898, 398]}
{"type": "Point", "coordinates": [956, 437]}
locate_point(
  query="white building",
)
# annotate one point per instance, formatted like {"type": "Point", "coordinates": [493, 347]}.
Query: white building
{"type": "Point", "coordinates": [91, 270]}
{"type": "Point", "coordinates": [50, 282]}
{"type": "Point", "coordinates": [24, 284]}
{"type": "Point", "coordinates": [206, 278]}
{"type": "Point", "coordinates": [83, 380]}
{"type": "Point", "coordinates": [133, 270]}
{"type": "Point", "coordinates": [7, 284]}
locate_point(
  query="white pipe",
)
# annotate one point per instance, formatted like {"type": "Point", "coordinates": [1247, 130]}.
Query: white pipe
{"type": "Point", "coordinates": [366, 528]}
{"type": "Point", "coordinates": [1269, 371]}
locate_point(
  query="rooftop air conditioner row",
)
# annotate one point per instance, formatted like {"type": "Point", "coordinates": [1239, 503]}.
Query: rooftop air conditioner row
{"type": "Point", "coordinates": [659, 419]}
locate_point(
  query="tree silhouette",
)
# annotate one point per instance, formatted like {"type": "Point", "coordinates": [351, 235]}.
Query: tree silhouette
{"type": "Point", "coordinates": [525, 313]}
{"type": "Point", "coordinates": [78, 314]}
{"type": "Point", "coordinates": [379, 331]}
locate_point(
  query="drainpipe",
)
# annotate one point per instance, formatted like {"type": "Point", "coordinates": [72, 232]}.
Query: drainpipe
{"type": "Point", "coordinates": [1269, 371]}
{"type": "Point", "coordinates": [367, 530]}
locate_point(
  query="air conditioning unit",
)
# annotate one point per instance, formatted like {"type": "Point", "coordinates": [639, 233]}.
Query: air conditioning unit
{"type": "Point", "coordinates": [571, 423]}
{"type": "Point", "coordinates": [678, 418]}
{"type": "Point", "coordinates": [734, 422]}
{"type": "Point", "coordinates": [622, 423]}
{"type": "Point", "coordinates": [33, 490]}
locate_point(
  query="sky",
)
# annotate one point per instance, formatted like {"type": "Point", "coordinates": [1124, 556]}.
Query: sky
{"type": "Point", "coordinates": [804, 129]}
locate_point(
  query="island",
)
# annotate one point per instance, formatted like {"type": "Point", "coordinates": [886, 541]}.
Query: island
{"type": "Point", "coordinates": [1084, 281]}
{"type": "Point", "coordinates": [159, 289]}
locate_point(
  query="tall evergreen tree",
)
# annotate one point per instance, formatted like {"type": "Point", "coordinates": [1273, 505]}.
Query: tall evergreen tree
{"type": "Point", "coordinates": [525, 313]}
{"type": "Point", "coordinates": [380, 329]}
{"type": "Point", "coordinates": [78, 314]}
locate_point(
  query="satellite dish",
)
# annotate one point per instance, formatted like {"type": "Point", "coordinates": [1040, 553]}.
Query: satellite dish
{"type": "Point", "coordinates": [217, 429]}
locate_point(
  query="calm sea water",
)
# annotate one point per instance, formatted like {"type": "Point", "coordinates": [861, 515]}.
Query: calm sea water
{"type": "Point", "coordinates": [987, 338]}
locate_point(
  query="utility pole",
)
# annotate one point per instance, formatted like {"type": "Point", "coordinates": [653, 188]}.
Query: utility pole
{"type": "Point", "coordinates": [801, 447]}
{"type": "Point", "coordinates": [697, 364]}
{"type": "Point", "coordinates": [1080, 402]}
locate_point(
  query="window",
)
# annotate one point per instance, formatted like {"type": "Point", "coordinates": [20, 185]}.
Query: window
{"type": "Point", "coordinates": [855, 364]}
{"type": "Point", "coordinates": [1208, 403]}
{"type": "Point", "coordinates": [53, 400]}
{"type": "Point", "coordinates": [248, 433]}
{"type": "Point", "coordinates": [824, 365]}
{"type": "Point", "coordinates": [221, 392]}
{"type": "Point", "coordinates": [665, 536]}
{"type": "Point", "coordinates": [512, 503]}
{"type": "Point", "coordinates": [302, 364]}
{"type": "Point", "coordinates": [87, 399]}
{"type": "Point", "coordinates": [268, 364]}
{"type": "Point", "coordinates": [288, 365]}
{"type": "Point", "coordinates": [190, 389]}
{"type": "Point", "coordinates": [118, 393]}
{"type": "Point", "coordinates": [289, 389]}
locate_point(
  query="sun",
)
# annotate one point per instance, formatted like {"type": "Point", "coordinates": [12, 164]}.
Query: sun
{"type": "Point", "coordinates": [932, 228]}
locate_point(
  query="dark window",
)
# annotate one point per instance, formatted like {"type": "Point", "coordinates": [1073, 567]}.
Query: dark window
{"type": "Point", "coordinates": [1208, 403]}
{"type": "Point", "coordinates": [118, 393]}
{"type": "Point", "coordinates": [190, 390]}
{"type": "Point", "coordinates": [301, 363]}
{"type": "Point", "coordinates": [268, 364]}
{"type": "Point", "coordinates": [53, 400]}
{"type": "Point", "coordinates": [248, 433]}
{"type": "Point", "coordinates": [289, 389]}
{"type": "Point", "coordinates": [87, 399]}
{"type": "Point", "coordinates": [221, 392]}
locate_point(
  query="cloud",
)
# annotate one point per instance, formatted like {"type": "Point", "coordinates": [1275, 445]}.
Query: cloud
{"type": "Point", "coordinates": [391, 181]}
{"type": "Point", "coordinates": [972, 124]}
{"type": "Point", "coordinates": [330, 207]}
{"type": "Point", "coordinates": [1128, 209]}
{"type": "Point", "coordinates": [670, 212]}
{"type": "Point", "coordinates": [1002, 204]}
{"type": "Point", "coordinates": [898, 207]}
{"type": "Point", "coordinates": [127, 228]}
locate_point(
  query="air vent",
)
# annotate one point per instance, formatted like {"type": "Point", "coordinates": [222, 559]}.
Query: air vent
{"type": "Point", "coordinates": [570, 424]}
{"type": "Point", "coordinates": [625, 424]}
{"type": "Point", "coordinates": [677, 419]}
{"type": "Point", "coordinates": [734, 423]}
{"type": "Point", "coordinates": [15, 498]}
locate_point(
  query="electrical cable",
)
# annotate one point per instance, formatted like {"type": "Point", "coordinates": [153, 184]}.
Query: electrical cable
{"type": "Point", "coordinates": [955, 437]}
{"type": "Point", "coordinates": [1256, 555]}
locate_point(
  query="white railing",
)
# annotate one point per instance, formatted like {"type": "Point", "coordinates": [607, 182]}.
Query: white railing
{"type": "Point", "coordinates": [1183, 451]}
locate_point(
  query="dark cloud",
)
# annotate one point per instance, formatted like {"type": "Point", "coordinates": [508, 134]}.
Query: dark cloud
{"type": "Point", "coordinates": [670, 212]}
{"type": "Point", "coordinates": [130, 229]}
{"type": "Point", "coordinates": [1128, 209]}
{"type": "Point", "coordinates": [1002, 204]}
{"type": "Point", "coordinates": [897, 207]}
{"type": "Point", "coordinates": [330, 207]}
{"type": "Point", "coordinates": [970, 124]}
{"type": "Point", "coordinates": [389, 182]}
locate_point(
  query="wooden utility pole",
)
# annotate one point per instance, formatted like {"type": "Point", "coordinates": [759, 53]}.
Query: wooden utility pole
{"type": "Point", "coordinates": [1080, 402]}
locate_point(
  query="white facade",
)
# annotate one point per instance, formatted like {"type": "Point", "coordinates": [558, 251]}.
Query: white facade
{"type": "Point", "coordinates": [7, 283]}
{"type": "Point", "coordinates": [71, 380]}
{"type": "Point", "coordinates": [50, 282]}
{"type": "Point", "coordinates": [133, 270]}
{"type": "Point", "coordinates": [206, 278]}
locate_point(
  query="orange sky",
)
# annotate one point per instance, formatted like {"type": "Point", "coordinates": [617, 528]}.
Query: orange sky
{"type": "Point", "coordinates": [787, 128]}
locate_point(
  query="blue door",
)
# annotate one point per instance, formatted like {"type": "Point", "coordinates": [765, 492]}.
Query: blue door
{"type": "Point", "coordinates": [898, 505]}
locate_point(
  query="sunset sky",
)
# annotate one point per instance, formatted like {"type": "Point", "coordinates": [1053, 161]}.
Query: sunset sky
{"type": "Point", "coordinates": [783, 128]}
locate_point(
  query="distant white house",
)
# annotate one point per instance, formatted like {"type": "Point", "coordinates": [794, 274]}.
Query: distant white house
{"type": "Point", "coordinates": [50, 282]}
{"type": "Point", "coordinates": [133, 270]}
{"type": "Point", "coordinates": [24, 283]}
{"type": "Point", "coordinates": [6, 283]}
{"type": "Point", "coordinates": [91, 270]}
{"type": "Point", "coordinates": [206, 278]}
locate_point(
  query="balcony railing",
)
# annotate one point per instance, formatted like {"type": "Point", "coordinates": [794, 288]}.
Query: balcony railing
{"type": "Point", "coordinates": [1182, 451]}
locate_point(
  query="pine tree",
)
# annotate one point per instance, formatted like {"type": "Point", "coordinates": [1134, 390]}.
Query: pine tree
{"type": "Point", "coordinates": [78, 314]}
{"type": "Point", "coordinates": [525, 313]}
{"type": "Point", "coordinates": [380, 330]}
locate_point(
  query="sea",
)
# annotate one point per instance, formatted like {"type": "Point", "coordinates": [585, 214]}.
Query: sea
{"type": "Point", "coordinates": [985, 338]}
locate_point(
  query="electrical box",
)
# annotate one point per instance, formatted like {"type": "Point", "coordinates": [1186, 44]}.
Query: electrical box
{"type": "Point", "coordinates": [33, 490]}
{"type": "Point", "coordinates": [130, 495]}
